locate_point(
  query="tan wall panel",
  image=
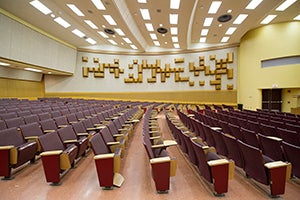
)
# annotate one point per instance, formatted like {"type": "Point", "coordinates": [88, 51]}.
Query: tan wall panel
{"type": "Point", "coordinates": [195, 97]}
{"type": "Point", "coordinates": [21, 89]}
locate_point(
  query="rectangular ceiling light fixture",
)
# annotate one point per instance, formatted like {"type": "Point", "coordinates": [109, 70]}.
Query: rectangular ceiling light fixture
{"type": "Point", "coordinates": [98, 4]}
{"type": "Point", "coordinates": [174, 39]}
{"type": "Point", "coordinates": [91, 24]}
{"type": "Point", "coordinates": [285, 5]}
{"type": "Point", "coordinates": [142, 1]}
{"type": "Point", "coordinates": [133, 46]}
{"type": "Point", "coordinates": [102, 34]}
{"type": "Point", "coordinates": [91, 41]}
{"type": "Point", "coordinates": [174, 30]}
{"type": "Point", "coordinates": [268, 19]}
{"type": "Point", "coordinates": [4, 64]}
{"type": "Point", "coordinates": [214, 7]}
{"type": "Point", "coordinates": [41, 7]}
{"type": "Point", "coordinates": [230, 30]}
{"type": "Point", "coordinates": [145, 14]}
{"type": "Point", "coordinates": [176, 45]}
{"type": "Point", "coordinates": [110, 20]}
{"type": "Point", "coordinates": [149, 27]}
{"type": "Point", "coordinates": [173, 18]}
{"type": "Point", "coordinates": [112, 41]}
{"type": "Point", "coordinates": [32, 69]}
{"type": "Point", "coordinates": [153, 36]}
{"type": "Point", "coordinates": [127, 40]}
{"type": "Point", "coordinates": [174, 4]}
{"type": "Point", "coordinates": [208, 21]}
{"type": "Point", "coordinates": [156, 43]}
{"type": "Point", "coordinates": [204, 32]}
{"type": "Point", "coordinates": [119, 31]}
{"type": "Point", "coordinates": [297, 17]}
{"type": "Point", "coordinates": [78, 33]}
{"type": "Point", "coordinates": [62, 22]}
{"type": "Point", "coordinates": [225, 39]}
{"type": "Point", "coordinates": [253, 4]}
{"type": "Point", "coordinates": [75, 10]}
{"type": "Point", "coordinates": [202, 39]}
{"type": "Point", "coordinates": [240, 19]}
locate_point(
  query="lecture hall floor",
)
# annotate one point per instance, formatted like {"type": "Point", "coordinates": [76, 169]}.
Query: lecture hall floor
{"type": "Point", "coordinates": [81, 183]}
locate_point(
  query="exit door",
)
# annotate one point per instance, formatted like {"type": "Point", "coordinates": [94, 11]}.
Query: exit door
{"type": "Point", "coordinates": [271, 99]}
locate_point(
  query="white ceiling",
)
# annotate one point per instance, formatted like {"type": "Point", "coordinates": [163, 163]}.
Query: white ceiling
{"type": "Point", "coordinates": [126, 13]}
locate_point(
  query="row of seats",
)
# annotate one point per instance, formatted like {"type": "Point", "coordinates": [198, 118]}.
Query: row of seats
{"type": "Point", "coordinates": [250, 159]}
{"type": "Point", "coordinates": [212, 167]}
{"type": "Point", "coordinates": [163, 166]}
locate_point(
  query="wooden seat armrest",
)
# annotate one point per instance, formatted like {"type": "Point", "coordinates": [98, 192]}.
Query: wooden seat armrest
{"type": "Point", "coordinates": [62, 126]}
{"type": "Point", "coordinates": [217, 162]}
{"type": "Point", "coordinates": [103, 156]}
{"type": "Point", "coordinates": [112, 143]}
{"type": "Point", "coordinates": [49, 131]}
{"type": "Point", "coordinates": [160, 160]}
{"type": "Point", "coordinates": [6, 147]}
{"type": "Point", "coordinates": [274, 138]}
{"type": "Point", "coordinates": [51, 153]}
{"type": "Point", "coordinates": [168, 143]}
{"type": "Point", "coordinates": [275, 164]}
{"type": "Point", "coordinates": [216, 128]}
{"type": "Point", "coordinates": [118, 135]}
{"type": "Point", "coordinates": [31, 137]}
{"type": "Point", "coordinates": [82, 134]}
{"type": "Point", "coordinates": [100, 127]}
{"type": "Point", "coordinates": [91, 129]}
{"type": "Point", "coordinates": [158, 146]}
{"type": "Point", "coordinates": [70, 141]}
{"type": "Point", "coordinates": [155, 137]}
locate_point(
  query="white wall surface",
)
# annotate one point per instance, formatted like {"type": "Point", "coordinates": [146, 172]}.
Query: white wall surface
{"type": "Point", "coordinates": [20, 43]}
{"type": "Point", "coordinates": [78, 83]}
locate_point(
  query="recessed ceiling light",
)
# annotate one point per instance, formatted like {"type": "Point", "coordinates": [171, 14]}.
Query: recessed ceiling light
{"type": "Point", "coordinates": [127, 40]}
{"type": "Point", "coordinates": [229, 11]}
{"type": "Point", "coordinates": [102, 34]}
{"type": "Point", "coordinates": [145, 14]}
{"type": "Point", "coordinates": [225, 39]}
{"type": "Point", "coordinates": [202, 39]}
{"type": "Point", "coordinates": [78, 33]}
{"type": "Point", "coordinates": [99, 5]}
{"type": "Point", "coordinates": [149, 27]}
{"type": "Point", "coordinates": [156, 43]}
{"type": "Point", "coordinates": [119, 31]}
{"type": "Point", "coordinates": [174, 30]}
{"type": "Point", "coordinates": [162, 30]}
{"type": "Point", "coordinates": [173, 18]}
{"type": "Point", "coordinates": [230, 30]}
{"type": "Point", "coordinates": [91, 41]}
{"type": "Point", "coordinates": [176, 45]}
{"type": "Point", "coordinates": [112, 41]}
{"type": "Point", "coordinates": [253, 4]}
{"type": "Point", "coordinates": [133, 46]}
{"type": "Point", "coordinates": [153, 36]}
{"type": "Point", "coordinates": [268, 19]}
{"type": "Point", "coordinates": [208, 21]}
{"type": "Point", "coordinates": [4, 64]}
{"type": "Point", "coordinates": [174, 4]}
{"type": "Point", "coordinates": [214, 7]}
{"type": "Point", "coordinates": [285, 5]}
{"type": "Point", "coordinates": [62, 22]}
{"type": "Point", "coordinates": [110, 20]}
{"type": "Point", "coordinates": [297, 17]}
{"type": "Point", "coordinates": [142, 1]}
{"type": "Point", "coordinates": [240, 19]}
{"type": "Point", "coordinates": [174, 39]}
{"type": "Point", "coordinates": [91, 24]}
{"type": "Point", "coordinates": [32, 69]}
{"type": "Point", "coordinates": [75, 10]}
{"type": "Point", "coordinates": [204, 32]}
{"type": "Point", "coordinates": [41, 7]}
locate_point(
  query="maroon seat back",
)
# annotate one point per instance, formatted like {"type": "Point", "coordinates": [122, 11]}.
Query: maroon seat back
{"type": "Point", "coordinates": [292, 153]}
{"type": "Point", "coordinates": [32, 129]}
{"type": "Point", "coordinates": [98, 145]}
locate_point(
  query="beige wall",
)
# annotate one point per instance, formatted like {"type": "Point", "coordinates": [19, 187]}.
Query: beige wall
{"type": "Point", "coordinates": [271, 41]}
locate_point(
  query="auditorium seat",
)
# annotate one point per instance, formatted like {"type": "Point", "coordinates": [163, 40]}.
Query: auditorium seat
{"type": "Point", "coordinates": [14, 151]}
{"type": "Point", "coordinates": [44, 116]}
{"type": "Point", "coordinates": [272, 147]}
{"type": "Point", "coordinates": [48, 125]}
{"type": "Point", "coordinates": [69, 137]}
{"type": "Point", "coordinates": [31, 118]}
{"type": "Point", "coordinates": [2, 125]}
{"type": "Point", "coordinates": [234, 152]}
{"type": "Point", "coordinates": [23, 113]}
{"type": "Point", "coordinates": [292, 153]}
{"type": "Point", "coordinates": [80, 130]}
{"type": "Point", "coordinates": [213, 168]}
{"type": "Point", "coordinates": [220, 144]}
{"type": "Point", "coordinates": [268, 130]}
{"type": "Point", "coordinates": [112, 142]}
{"type": "Point", "coordinates": [9, 115]}
{"type": "Point", "coordinates": [71, 117]}
{"type": "Point", "coordinates": [61, 121]}
{"type": "Point", "coordinates": [56, 158]}
{"type": "Point", "coordinates": [31, 132]}
{"type": "Point", "coordinates": [263, 169]}
{"type": "Point", "coordinates": [289, 136]}
{"type": "Point", "coordinates": [250, 137]}
{"type": "Point", "coordinates": [14, 122]}
{"type": "Point", "coordinates": [108, 162]}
